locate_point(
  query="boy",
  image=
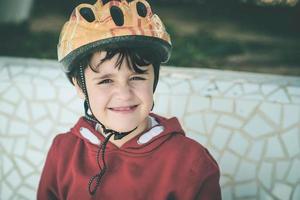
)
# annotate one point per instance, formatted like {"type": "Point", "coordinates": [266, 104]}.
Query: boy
{"type": "Point", "coordinates": [111, 52]}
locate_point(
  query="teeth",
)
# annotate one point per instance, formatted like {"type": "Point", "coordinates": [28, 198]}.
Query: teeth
{"type": "Point", "coordinates": [123, 108]}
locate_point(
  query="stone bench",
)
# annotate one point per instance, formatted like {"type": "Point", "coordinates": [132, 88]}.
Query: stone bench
{"type": "Point", "coordinates": [249, 122]}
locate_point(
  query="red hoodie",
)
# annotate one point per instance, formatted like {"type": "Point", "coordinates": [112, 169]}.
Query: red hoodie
{"type": "Point", "coordinates": [159, 164]}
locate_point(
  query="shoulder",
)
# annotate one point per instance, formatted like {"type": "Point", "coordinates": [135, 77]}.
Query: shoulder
{"type": "Point", "coordinates": [62, 142]}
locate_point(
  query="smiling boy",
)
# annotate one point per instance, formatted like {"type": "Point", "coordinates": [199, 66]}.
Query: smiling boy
{"type": "Point", "coordinates": [111, 52]}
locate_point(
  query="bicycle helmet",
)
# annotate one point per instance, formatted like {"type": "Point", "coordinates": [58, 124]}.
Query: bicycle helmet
{"type": "Point", "coordinates": [112, 24]}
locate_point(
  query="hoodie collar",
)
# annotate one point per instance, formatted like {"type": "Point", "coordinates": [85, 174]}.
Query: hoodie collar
{"type": "Point", "coordinates": [161, 129]}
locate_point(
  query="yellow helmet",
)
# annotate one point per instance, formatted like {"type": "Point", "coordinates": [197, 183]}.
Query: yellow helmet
{"type": "Point", "coordinates": [112, 24]}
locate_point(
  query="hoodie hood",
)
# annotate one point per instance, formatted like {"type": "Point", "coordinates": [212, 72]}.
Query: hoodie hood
{"type": "Point", "coordinates": [160, 130]}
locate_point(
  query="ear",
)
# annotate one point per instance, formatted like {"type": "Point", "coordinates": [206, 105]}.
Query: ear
{"type": "Point", "coordinates": [78, 89]}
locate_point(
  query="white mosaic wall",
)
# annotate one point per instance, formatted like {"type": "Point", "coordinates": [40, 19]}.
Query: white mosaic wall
{"type": "Point", "coordinates": [249, 122]}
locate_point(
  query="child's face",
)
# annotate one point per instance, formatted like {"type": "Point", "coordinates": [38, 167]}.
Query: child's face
{"type": "Point", "coordinates": [120, 98]}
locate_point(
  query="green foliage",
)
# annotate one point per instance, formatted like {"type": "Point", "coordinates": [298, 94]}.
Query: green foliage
{"type": "Point", "coordinates": [20, 41]}
{"type": "Point", "coordinates": [200, 49]}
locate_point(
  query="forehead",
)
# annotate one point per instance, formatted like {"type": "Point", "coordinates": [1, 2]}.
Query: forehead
{"type": "Point", "coordinates": [100, 62]}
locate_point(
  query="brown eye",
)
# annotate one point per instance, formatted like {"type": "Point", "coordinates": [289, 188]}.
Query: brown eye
{"type": "Point", "coordinates": [141, 9]}
{"type": "Point", "coordinates": [87, 14]}
{"type": "Point", "coordinates": [117, 15]}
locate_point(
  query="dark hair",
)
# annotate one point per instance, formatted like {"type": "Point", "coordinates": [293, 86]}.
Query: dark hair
{"type": "Point", "coordinates": [135, 58]}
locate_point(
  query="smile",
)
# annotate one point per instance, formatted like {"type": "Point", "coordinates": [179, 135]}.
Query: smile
{"type": "Point", "coordinates": [124, 109]}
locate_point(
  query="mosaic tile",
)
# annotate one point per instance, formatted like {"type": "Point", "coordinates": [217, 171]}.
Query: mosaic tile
{"type": "Point", "coordinates": [7, 191]}
{"type": "Point", "coordinates": [38, 110]}
{"type": "Point", "coordinates": [228, 163]}
{"type": "Point", "coordinates": [291, 115]}
{"type": "Point", "coordinates": [198, 103]}
{"type": "Point", "coordinates": [27, 193]}
{"type": "Point", "coordinates": [35, 139]}
{"type": "Point", "coordinates": [194, 122]}
{"type": "Point", "coordinates": [6, 108]}
{"type": "Point", "coordinates": [227, 193]}
{"type": "Point", "coordinates": [268, 88]}
{"type": "Point", "coordinates": [26, 90]}
{"type": "Point", "coordinates": [23, 166]}
{"type": "Point", "coordinates": [4, 87]}
{"type": "Point", "coordinates": [295, 99]}
{"type": "Point", "coordinates": [210, 90]}
{"type": "Point", "coordinates": [161, 105]}
{"type": "Point", "coordinates": [257, 127]}
{"type": "Point", "coordinates": [183, 88]}
{"type": "Point", "coordinates": [279, 96]}
{"type": "Point", "coordinates": [282, 191]}
{"type": "Point", "coordinates": [256, 150]}
{"type": "Point", "coordinates": [20, 146]}
{"type": "Point", "coordinates": [66, 94]}
{"type": "Point", "coordinates": [246, 189]}
{"type": "Point", "coordinates": [16, 69]}
{"type": "Point", "coordinates": [296, 194]}
{"type": "Point", "coordinates": [246, 171]}
{"type": "Point", "coordinates": [42, 94]}
{"type": "Point", "coordinates": [230, 121]}
{"type": "Point", "coordinates": [257, 97]}
{"type": "Point", "coordinates": [7, 164]}
{"type": "Point", "coordinates": [3, 124]}
{"type": "Point", "coordinates": [53, 109]}
{"type": "Point", "coordinates": [222, 105]}
{"type": "Point", "coordinates": [274, 148]}
{"type": "Point", "coordinates": [223, 86]}
{"type": "Point", "coordinates": [220, 137]}
{"type": "Point", "coordinates": [22, 110]}
{"type": "Point", "coordinates": [245, 107]}
{"type": "Point", "coordinates": [44, 126]}
{"type": "Point", "coordinates": [162, 88]}
{"type": "Point", "coordinates": [293, 174]}
{"type": "Point", "coordinates": [264, 195]}
{"type": "Point", "coordinates": [14, 179]}
{"type": "Point", "coordinates": [18, 128]}
{"type": "Point", "coordinates": [265, 174]}
{"type": "Point", "coordinates": [197, 137]}
{"type": "Point", "coordinates": [198, 84]}
{"type": "Point", "coordinates": [282, 169]}
{"type": "Point", "coordinates": [235, 91]}
{"type": "Point", "coordinates": [250, 88]}
{"type": "Point", "coordinates": [11, 95]}
{"type": "Point", "coordinates": [272, 111]}
{"type": "Point", "coordinates": [210, 120]}
{"type": "Point", "coordinates": [293, 90]}
{"type": "Point", "coordinates": [291, 141]}
{"type": "Point", "coordinates": [238, 143]}
{"type": "Point", "coordinates": [36, 157]}
{"type": "Point", "coordinates": [76, 106]}
{"type": "Point", "coordinates": [178, 104]}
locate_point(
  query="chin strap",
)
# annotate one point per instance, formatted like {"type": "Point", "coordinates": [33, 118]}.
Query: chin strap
{"type": "Point", "coordinates": [94, 181]}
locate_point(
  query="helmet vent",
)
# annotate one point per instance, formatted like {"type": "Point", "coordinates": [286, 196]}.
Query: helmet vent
{"type": "Point", "coordinates": [117, 15]}
{"type": "Point", "coordinates": [141, 9]}
{"type": "Point", "coordinates": [105, 1]}
{"type": "Point", "coordinates": [87, 14]}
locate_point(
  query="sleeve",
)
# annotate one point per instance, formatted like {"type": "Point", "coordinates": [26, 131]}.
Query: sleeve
{"type": "Point", "coordinates": [210, 188]}
{"type": "Point", "coordinates": [47, 189]}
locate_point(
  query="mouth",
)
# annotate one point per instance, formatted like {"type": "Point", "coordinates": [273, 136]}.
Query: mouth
{"type": "Point", "coordinates": [123, 109]}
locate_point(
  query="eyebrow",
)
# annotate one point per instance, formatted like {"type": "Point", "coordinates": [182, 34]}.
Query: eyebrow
{"type": "Point", "coordinates": [105, 76]}
{"type": "Point", "coordinates": [109, 75]}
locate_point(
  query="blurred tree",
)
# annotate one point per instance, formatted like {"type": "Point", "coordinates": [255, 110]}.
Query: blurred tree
{"type": "Point", "coordinates": [15, 11]}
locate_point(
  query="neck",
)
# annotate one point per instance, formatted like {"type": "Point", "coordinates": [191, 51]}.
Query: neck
{"type": "Point", "coordinates": [141, 128]}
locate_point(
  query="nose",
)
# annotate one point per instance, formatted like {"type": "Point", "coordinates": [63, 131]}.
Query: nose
{"type": "Point", "coordinates": [124, 92]}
